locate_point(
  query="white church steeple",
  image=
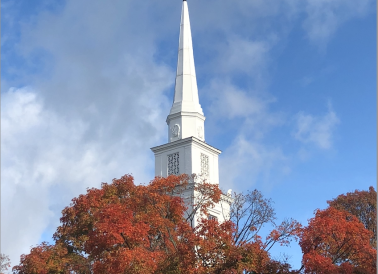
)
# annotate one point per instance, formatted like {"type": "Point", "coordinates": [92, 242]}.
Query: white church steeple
{"type": "Point", "coordinates": [186, 116]}
{"type": "Point", "coordinates": [186, 151]}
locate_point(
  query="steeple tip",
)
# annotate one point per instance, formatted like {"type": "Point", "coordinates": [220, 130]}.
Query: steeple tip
{"type": "Point", "coordinates": [186, 90]}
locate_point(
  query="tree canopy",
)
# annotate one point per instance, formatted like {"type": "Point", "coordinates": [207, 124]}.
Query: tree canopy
{"type": "Point", "coordinates": [363, 205]}
{"type": "Point", "coordinates": [337, 242]}
{"type": "Point", "coordinates": [128, 228]}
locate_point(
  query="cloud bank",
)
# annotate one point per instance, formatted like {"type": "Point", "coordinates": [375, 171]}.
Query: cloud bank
{"type": "Point", "coordinates": [317, 130]}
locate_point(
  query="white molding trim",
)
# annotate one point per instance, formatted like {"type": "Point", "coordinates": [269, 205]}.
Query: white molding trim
{"type": "Point", "coordinates": [185, 113]}
{"type": "Point", "coordinates": [186, 141]}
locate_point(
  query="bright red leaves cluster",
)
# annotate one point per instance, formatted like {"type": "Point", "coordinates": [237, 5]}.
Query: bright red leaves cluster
{"type": "Point", "coordinates": [337, 242]}
{"type": "Point", "coordinates": [342, 238]}
{"type": "Point", "coordinates": [124, 228]}
{"type": "Point", "coordinates": [363, 205]}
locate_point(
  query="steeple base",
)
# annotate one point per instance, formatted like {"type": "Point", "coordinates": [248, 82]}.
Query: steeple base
{"type": "Point", "coordinates": [187, 156]}
{"type": "Point", "coordinates": [192, 156]}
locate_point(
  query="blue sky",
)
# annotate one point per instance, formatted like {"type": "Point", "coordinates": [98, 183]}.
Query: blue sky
{"type": "Point", "coordinates": [288, 89]}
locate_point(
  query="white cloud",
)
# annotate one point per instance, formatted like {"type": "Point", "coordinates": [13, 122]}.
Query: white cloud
{"type": "Point", "coordinates": [317, 130]}
{"type": "Point", "coordinates": [47, 159]}
{"type": "Point", "coordinates": [243, 111]}
{"type": "Point", "coordinates": [247, 163]}
{"type": "Point", "coordinates": [324, 17]}
{"type": "Point", "coordinates": [267, 19]}
{"type": "Point", "coordinates": [244, 56]}
{"type": "Point", "coordinates": [248, 160]}
{"type": "Point", "coordinates": [229, 101]}
{"type": "Point", "coordinates": [97, 105]}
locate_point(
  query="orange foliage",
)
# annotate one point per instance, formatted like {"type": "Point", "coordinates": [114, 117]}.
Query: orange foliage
{"type": "Point", "coordinates": [337, 242]}
{"type": "Point", "coordinates": [363, 205]}
{"type": "Point", "coordinates": [124, 228]}
{"type": "Point", "coordinates": [45, 259]}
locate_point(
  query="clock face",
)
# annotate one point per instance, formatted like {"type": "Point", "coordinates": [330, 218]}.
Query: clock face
{"type": "Point", "coordinates": [175, 130]}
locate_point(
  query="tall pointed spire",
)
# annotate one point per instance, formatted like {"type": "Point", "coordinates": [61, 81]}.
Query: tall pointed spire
{"type": "Point", "coordinates": [186, 117]}
{"type": "Point", "coordinates": [186, 91]}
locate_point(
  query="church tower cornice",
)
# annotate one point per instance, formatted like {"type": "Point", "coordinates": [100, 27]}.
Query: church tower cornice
{"type": "Point", "coordinates": [186, 141]}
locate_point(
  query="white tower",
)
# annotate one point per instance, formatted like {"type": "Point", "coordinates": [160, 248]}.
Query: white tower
{"type": "Point", "coordinates": [186, 151]}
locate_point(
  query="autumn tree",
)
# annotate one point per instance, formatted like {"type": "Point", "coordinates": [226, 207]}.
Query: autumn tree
{"type": "Point", "coordinates": [120, 228]}
{"type": "Point", "coordinates": [363, 205]}
{"type": "Point", "coordinates": [337, 242]}
{"type": "Point", "coordinates": [125, 228]}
